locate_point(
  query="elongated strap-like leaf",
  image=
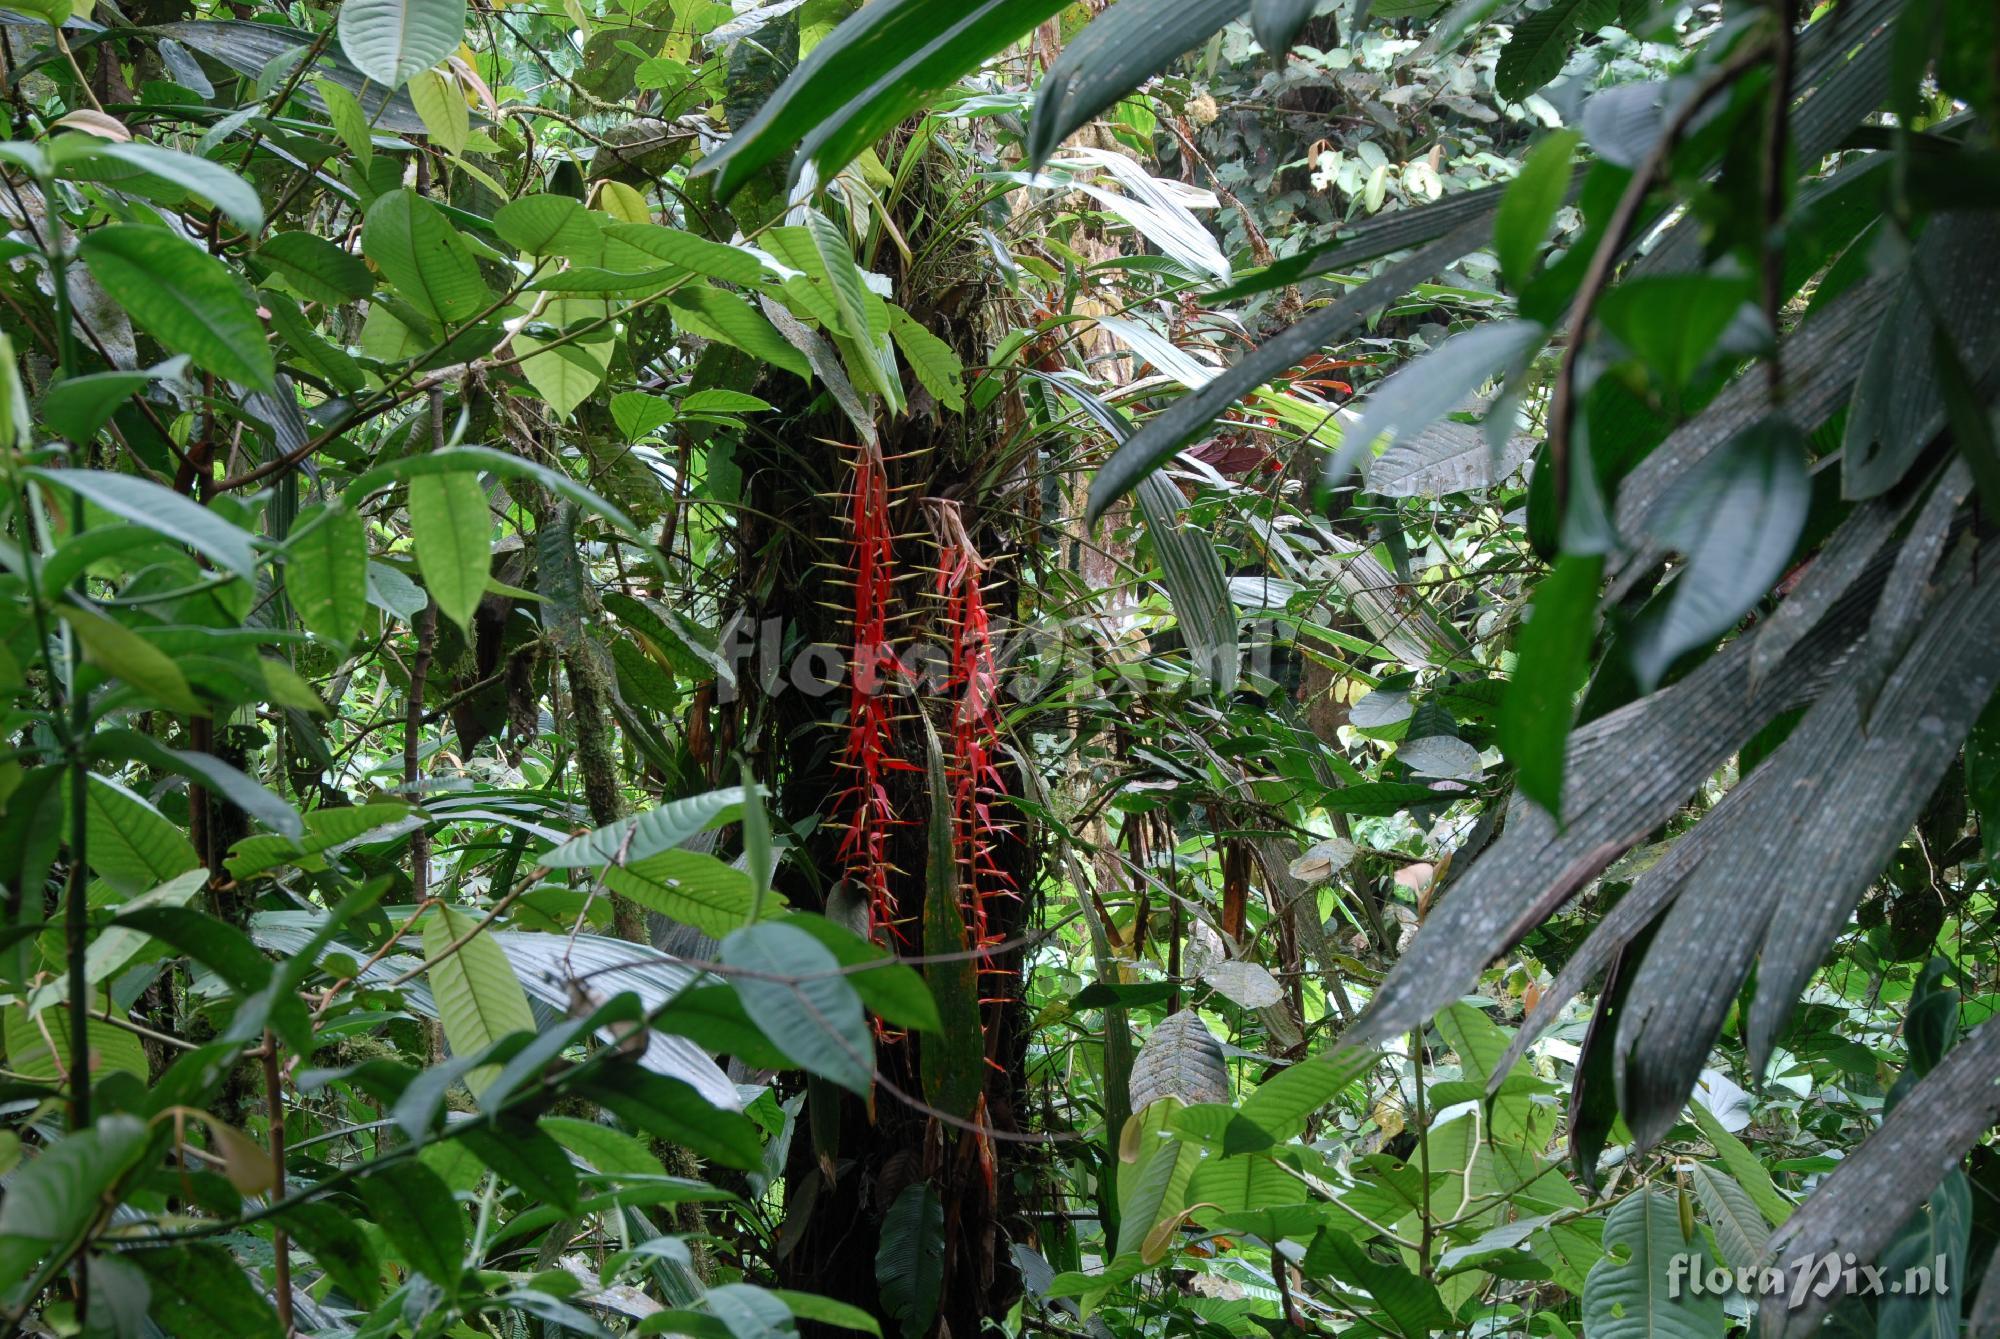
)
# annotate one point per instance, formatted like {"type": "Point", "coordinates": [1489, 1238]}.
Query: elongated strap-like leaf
{"type": "Point", "coordinates": [1626, 773]}
{"type": "Point", "coordinates": [871, 72]}
{"type": "Point", "coordinates": [248, 48]}
{"type": "Point", "coordinates": [1820, 361]}
{"type": "Point", "coordinates": [1121, 49]}
{"type": "Point", "coordinates": [1864, 1202]}
{"type": "Point", "coordinates": [1837, 802]}
{"type": "Point", "coordinates": [1918, 722]}
{"type": "Point", "coordinates": [1158, 440]}
{"type": "Point", "coordinates": [1379, 235]}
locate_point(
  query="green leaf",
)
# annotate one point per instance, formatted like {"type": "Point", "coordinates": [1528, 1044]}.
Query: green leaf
{"type": "Point", "coordinates": [716, 401]}
{"type": "Point", "coordinates": [1196, 582]}
{"type": "Point", "coordinates": [182, 296]}
{"type": "Point", "coordinates": [1424, 391]}
{"type": "Point", "coordinates": [1736, 518]}
{"type": "Point", "coordinates": [675, 1112]}
{"type": "Point", "coordinates": [937, 367]}
{"type": "Point", "coordinates": [953, 1059]}
{"type": "Point", "coordinates": [59, 1192]}
{"type": "Point", "coordinates": [417, 1213]}
{"type": "Point", "coordinates": [131, 845]}
{"type": "Point", "coordinates": [548, 225]}
{"type": "Point", "coordinates": [479, 998]}
{"type": "Point", "coordinates": [337, 1245]}
{"type": "Point", "coordinates": [117, 650]}
{"type": "Point", "coordinates": [442, 105]}
{"type": "Point", "coordinates": [693, 887]}
{"type": "Point", "coordinates": [889, 988]}
{"type": "Point", "coordinates": [162, 511]}
{"type": "Point", "coordinates": [460, 459]}
{"type": "Point", "coordinates": [349, 121]}
{"type": "Point", "coordinates": [1120, 49]}
{"type": "Point", "coordinates": [197, 176]}
{"type": "Point", "coordinates": [320, 271]}
{"type": "Point", "coordinates": [453, 531]}
{"type": "Point", "coordinates": [326, 573]}
{"type": "Point", "coordinates": [610, 1151]}
{"type": "Point", "coordinates": [78, 407]}
{"type": "Point", "coordinates": [728, 319]}
{"type": "Point", "coordinates": [1552, 660]}
{"type": "Point", "coordinates": [1631, 1293]}
{"type": "Point", "coordinates": [876, 68]}
{"type": "Point", "coordinates": [1410, 1304]}
{"type": "Point", "coordinates": [648, 834]}
{"type": "Point", "coordinates": [422, 255]}
{"type": "Point", "coordinates": [392, 40]}
{"type": "Point", "coordinates": [199, 1291]}
{"type": "Point", "coordinates": [1534, 54]}
{"type": "Point", "coordinates": [1382, 799]}
{"type": "Point", "coordinates": [713, 260]}
{"type": "Point", "coordinates": [204, 769]}
{"type": "Point", "coordinates": [525, 1157]}
{"type": "Point", "coordinates": [1744, 1165]}
{"type": "Point", "coordinates": [826, 1311]}
{"type": "Point", "coordinates": [793, 989]}
{"type": "Point", "coordinates": [113, 1050]}
{"type": "Point", "coordinates": [638, 414]}
{"type": "Point", "coordinates": [1740, 1230]}
{"type": "Point", "coordinates": [909, 1258]}
{"type": "Point", "coordinates": [1282, 1102]}
{"type": "Point", "coordinates": [1673, 322]}
{"type": "Point", "coordinates": [1277, 23]}
{"type": "Point", "coordinates": [1529, 205]}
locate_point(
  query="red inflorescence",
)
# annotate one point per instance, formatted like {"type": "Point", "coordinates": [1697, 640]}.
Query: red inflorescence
{"type": "Point", "coordinates": [971, 687]}
{"type": "Point", "coordinates": [872, 666]}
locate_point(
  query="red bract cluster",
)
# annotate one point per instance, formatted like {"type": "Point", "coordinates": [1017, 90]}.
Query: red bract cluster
{"type": "Point", "coordinates": [872, 664]}
{"type": "Point", "coordinates": [971, 689]}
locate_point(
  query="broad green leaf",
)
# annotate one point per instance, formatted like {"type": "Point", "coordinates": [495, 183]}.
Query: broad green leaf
{"type": "Point", "coordinates": [337, 1245]}
{"type": "Point", "coordinates": [717, 401]}
{"type": "Point", "coordinates": [197, 176]}
{"type": "Point", "coordinates": [1529, 205]}
{"type": "Point", "coordinates": [1933, 1241]}
{"type": "Point", "coordinates": [1633, 1292]}
{"type": "Point", "coordinates": [1277, 23]}
{"type": "Point", "coordinates": [423, 257]}
{"type": "Point", "coordinates": [117, 945]}
{"type": "Point", "coordinates": [326, 573]}
{"type": "Point", "coordinates": [199, 1291]}
{"type": "Point", "coordinates": [1534, 54]}
{"type": "Point", "coordinates": [349, 121]}
{"type": "Point", "coordinates": [889, 988]}
{"type": "Point", "coordinates": [1735, 518]}
{"type": "Point", "coordinates": [392, 40]}
{"type": "Point", "coordinates": [937, 367]}
{"type": "Point", "coordinates": [1424, 391]}
{"type": "Point", "coordinates": [638, 414]}
{"type": "Point", "coordinates": [1744, 1165]}
{"type": "Point", "coordinates": [1740, 1230]}
{"type": "Point", "coordinates": [634, 839]}
{"type": "Point", "coordinates": [567, 374]}
{"type": "Point", "coordinates": [184, 297]}
{"type": "Point", "coordinates": [320, 271]}
{"type": "Point", "coordinates": [1282, 1102]}
{"type": "Point", "coordinates": [461, 459]}
{"type": "Point", "coordinates": [479, 998]}
{"type": "Point", "coordinates": [453, 531]}
{"type": "Point", "coordinates": [78, 407]}
{"type": "Point", "coordinates": [610, 1151]}
{"type": "Point", "coordinates": [440, 102]}
{"type": "Point", "coordinates": [713, 260]}
{"type": "Point", "coordinates": [826, 1311]}
{"type": "Point", "coordinates": [131, 845]}
{"type": "Point", "coordinates": [113, 1050]}
{"type": "Point", "coordinates": [1410, 1304]}
{"type": "Point", "coordinates": [690, 886]}
{"type": "Point", "coordinates": [909, 1258]}
{"type": "Point", "coordinates": [671, 1110]}
{"type": "Point", "coordinates": [117, 650]}
{"type": "Point", "coordinates": [1552, 660]}
{"type": "Point", "coordinates": [53, 1196]}
{"type": "Point", "coordinates": [1196, 582]}
{"type": "Point", "coordinates": [163, 511]}
{"type": "Point", "coordinates": [325, 829]}
{"type": "Point", "coordinates": [876, 68]}
{"type": "Point", "coordinates": [1239, 1184]}
{"type": "Point", "coordinates": [548, 225]}
{"type": "Point", "coordinates": [728, 319]}
{"type": "Point", "coordinates": [792, 988]}
{"type": "Point", "coordinates": [1674, 323]}
{"type": "Point", "coordinates": [525, 1157]}
{"type": "Point", "coordinates": [418, 1214]}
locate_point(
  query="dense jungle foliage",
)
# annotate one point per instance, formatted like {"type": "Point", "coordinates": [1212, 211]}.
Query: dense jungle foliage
{"type": "Point", "coordinates": [939, 668]}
